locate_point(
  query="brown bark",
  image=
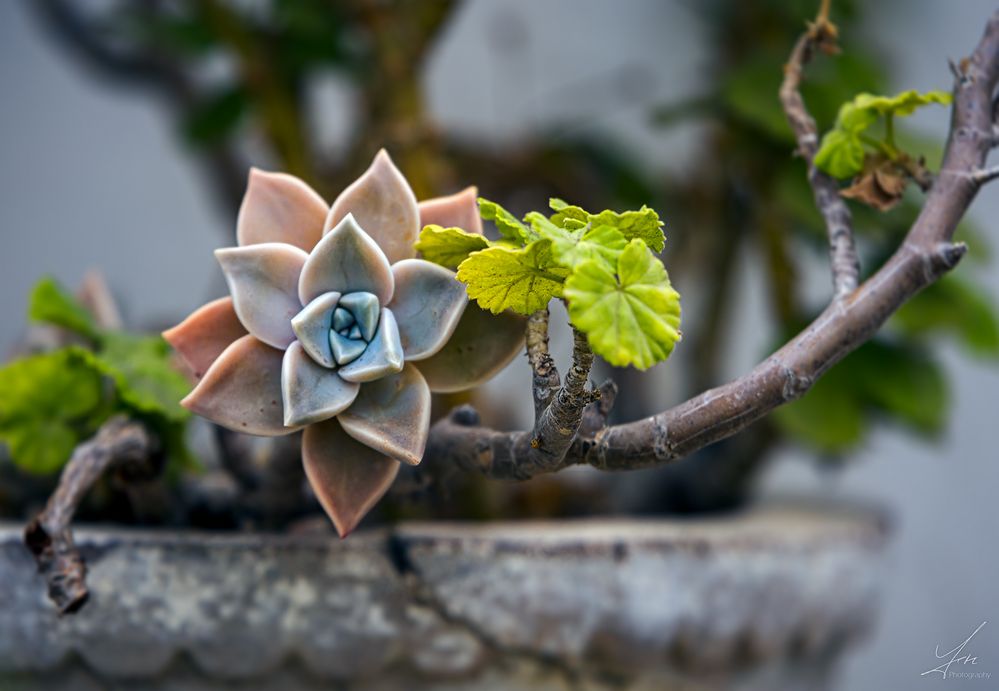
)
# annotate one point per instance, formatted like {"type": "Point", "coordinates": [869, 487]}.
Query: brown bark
{"type": "Point", "coordinates": [119, 442]}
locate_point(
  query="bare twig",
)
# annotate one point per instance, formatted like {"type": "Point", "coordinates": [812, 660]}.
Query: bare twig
{"type": "Point", "coordinates": [546, 380]}
{"type": "Point", "coordinates": [118, 443]}
{"type": "Point", "coordinates": [839, 224]}
{"type": "Point", "coordinates": [983, 175]}
{"type": "Point", "coordinates": [924, 256]}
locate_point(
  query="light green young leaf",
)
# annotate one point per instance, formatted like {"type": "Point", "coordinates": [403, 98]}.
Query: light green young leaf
{"type": "Point", "coordinates": [632, 318]}
{"type": "Point", "coordinates": [901, 104]}
{"type": "Point", "coordinates": [571, 247]}
{"type": "Point", "coordinates": [523, 280]}
{"type": "Point", "coordinates": [542, 225]}
{"type": "Point", "coordinates": [841, 154]}
{"type": "Point", "coordinates": [643, 224]}
{"type": "Point", "coordinates": [448, 247]}
{"type": "Point", "coordinates": [52, 304]}
{"type": "Point", "coordinates": [568, 216]}
{"type": "Point", "coordinates": [857, 115]}
{"type": "Point", "coordinates": [602, 243]}
{"type": "Point", "coordinates": [506, 223]}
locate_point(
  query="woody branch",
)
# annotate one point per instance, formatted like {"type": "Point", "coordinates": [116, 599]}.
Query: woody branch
{"type": "Point", "coordinates": [853, 316]}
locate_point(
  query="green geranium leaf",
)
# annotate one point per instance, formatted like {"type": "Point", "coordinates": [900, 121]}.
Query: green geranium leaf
{"type": "Point", "coordinates": [41, 447]}
{"type": "Point", "coordinates": [448, 247]}
{"type": "Point", "coordinates": [506, 223]}
{"type": "Point", "coordinates": [46, 402]}
{"type": "Point", "coordinates": [568, 216]}
{"type": "Point", "coordinates": [952, 305]}
{"type": "Point", "coordinates": [901, 104]}
{"type": "Point", "coordinates": [59, 385]}
{"type": "Point", "coordinates": [643, 224]}
{"type": "Point", "coordinates": [145, 379]}
{"type": "Point", "coordinates": [841, 154]}
{"type": "Point", "coordinates": [53, 304]}
{"type": "Point", "coordinates": [632, 318]}
{"type": "Point", "coordinates": [523, 280]}
{"type": "Point", "coordinates": [602, 243]}
{"type": "Point", "coordinates": [571, 247]}
{"type": "Point", "coordinates": [857, 115]}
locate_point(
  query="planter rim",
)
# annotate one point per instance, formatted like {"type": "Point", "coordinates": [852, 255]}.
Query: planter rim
{"type": "Point", "coordinates": [435, 602]}
{"type": "Point", "coordinates": [794, 518]}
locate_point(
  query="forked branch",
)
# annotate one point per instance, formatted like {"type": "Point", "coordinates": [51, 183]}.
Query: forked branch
{"type": "Point", "coordinates": [854, 315]}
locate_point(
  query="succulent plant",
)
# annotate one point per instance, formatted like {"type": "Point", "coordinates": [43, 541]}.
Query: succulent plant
{"type": "Point", "coordinates": [334, 326]}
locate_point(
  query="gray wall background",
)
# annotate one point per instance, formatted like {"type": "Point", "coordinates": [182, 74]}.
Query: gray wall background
{"type": "Point", "coordinates": [91, 176]}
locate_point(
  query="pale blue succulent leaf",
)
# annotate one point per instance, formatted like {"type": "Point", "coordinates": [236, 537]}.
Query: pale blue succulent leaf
{"type": "Point", "coordinates": [383, 355]}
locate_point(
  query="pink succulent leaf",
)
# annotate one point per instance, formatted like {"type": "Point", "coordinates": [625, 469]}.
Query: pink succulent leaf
{"type": "Point", "coordinates": [392, 415]}
{"type": "Point", "coordinates": [427, 305]}
{"type": "Point", "coordinates": [384, 205]}
{"type": "Point", "coordinates": [263, 280]}
{"type": "Point", "coordinates": [348, 477]}
{"type": "Point", "coordinates": [345, 261]}
{"type": "Point", "coordinates": [312, 327]}
{"type": "Point", "coordinates": [280, 208]}
{"type": "Point", "coordinates": [312, 393]}
{"type": "Point", "coordinates": [383, 355]}
{"type": "Point", "coordinates": [459, 210]}
{"type": "Point", "coordinates": [208, 331]}
{"type": "Point", "coordinates": [242, 389]}
{"type": "Point", "coordinates": [481, 346]}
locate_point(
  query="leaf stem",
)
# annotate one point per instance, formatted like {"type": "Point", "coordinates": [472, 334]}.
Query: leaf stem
{"type": "Point", "coordinates": [890, 130]}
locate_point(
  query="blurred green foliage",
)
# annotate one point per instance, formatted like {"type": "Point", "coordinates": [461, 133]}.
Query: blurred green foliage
{"type": "Point", "coordinates": [52, 401]}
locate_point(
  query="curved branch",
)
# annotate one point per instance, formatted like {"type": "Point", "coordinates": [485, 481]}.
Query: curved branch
{"type": "Point", "coordinates": [925, 255]}
{"type": "Point", "coordinates": [119, 442]}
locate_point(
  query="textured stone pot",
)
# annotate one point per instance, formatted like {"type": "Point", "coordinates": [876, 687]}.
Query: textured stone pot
{"type": "Point", "coordinates": [766, 600]}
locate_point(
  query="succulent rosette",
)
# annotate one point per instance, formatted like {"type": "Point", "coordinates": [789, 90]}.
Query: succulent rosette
{"type": "Point", "coordinates": [333, 326]}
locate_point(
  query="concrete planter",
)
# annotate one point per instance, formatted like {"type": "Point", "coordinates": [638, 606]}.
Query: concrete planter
{"type": "Point", "coordinates": [765, 600]}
